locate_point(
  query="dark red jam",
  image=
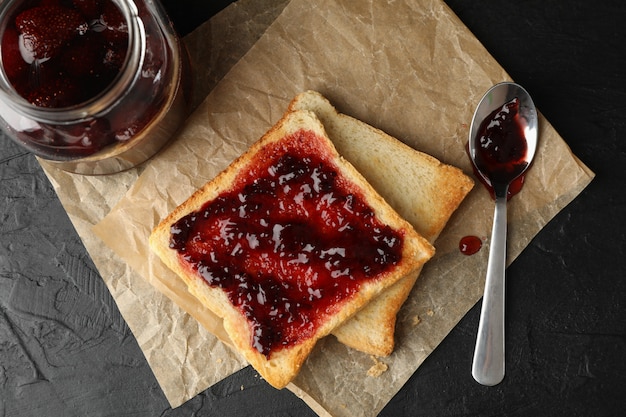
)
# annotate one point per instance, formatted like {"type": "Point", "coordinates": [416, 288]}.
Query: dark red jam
{"type": "Point", "coordinates": [288, 244]}
{"type": "Point", "coordinates": [59, 53]}
{"type": "Point", "coordinates": [501, 148]}
{"type": "Point", "coordinates": [469, 245]}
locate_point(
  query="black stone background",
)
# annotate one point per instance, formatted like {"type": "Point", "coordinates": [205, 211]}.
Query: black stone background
{"type": "Point", "coordinates": [66, 351]}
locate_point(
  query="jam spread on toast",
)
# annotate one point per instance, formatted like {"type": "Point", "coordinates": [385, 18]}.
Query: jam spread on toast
{"type": "Point", "coordinates": [289, 242]}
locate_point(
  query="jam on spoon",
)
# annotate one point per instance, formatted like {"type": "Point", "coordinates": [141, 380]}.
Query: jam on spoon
{"type": "Point", "coordinates": [501, 149]}
{"type": "Point", "coordinates": [501, 145]}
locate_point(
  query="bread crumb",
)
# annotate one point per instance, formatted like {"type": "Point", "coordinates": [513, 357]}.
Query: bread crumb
{"type": "Point", "coordinates": [377, 369]}
{"type": "Point", "coordinates": [430, 313]}
{"type": "Point", "coordinates": [416, 320]}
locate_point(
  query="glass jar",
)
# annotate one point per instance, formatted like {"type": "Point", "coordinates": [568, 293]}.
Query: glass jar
{"type": "Point", "coordinates": [102, 92]}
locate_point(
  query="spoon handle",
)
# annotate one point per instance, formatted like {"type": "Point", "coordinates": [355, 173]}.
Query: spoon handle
{"type": "Point", "coordinates": [488, 364]}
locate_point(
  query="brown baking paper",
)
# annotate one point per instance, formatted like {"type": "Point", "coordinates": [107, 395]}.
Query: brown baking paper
{"type": "Point", "coordinates": [412, 70]}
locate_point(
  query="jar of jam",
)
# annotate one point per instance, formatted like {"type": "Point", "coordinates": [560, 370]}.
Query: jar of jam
{"type": "Point", "coordinates": [91, 86]}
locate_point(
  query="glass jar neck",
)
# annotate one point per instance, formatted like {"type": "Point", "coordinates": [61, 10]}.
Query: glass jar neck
{"type": "Point", "coordinates": [100, 103]}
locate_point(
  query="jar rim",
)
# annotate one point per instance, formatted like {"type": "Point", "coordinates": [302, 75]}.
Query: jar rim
{"type": "Point", "coordinates": [101, 102]}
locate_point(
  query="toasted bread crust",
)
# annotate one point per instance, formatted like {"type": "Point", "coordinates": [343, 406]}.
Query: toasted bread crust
{"type": "Point", "coordinates": [390, 166]}
{"type": "Point", "coordinates": [282, 365]}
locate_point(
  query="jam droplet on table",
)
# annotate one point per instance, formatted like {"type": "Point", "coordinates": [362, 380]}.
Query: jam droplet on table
{"type": "Point", "coordinates": [501, 148]}
{"type": "Point", "coordinates": [469, 245]}
{"type": "Point", "coordinates": [288, 244]}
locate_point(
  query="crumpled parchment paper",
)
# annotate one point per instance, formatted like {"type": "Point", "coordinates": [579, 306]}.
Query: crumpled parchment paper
{"type": "Point", "coordinates": [411, 69]}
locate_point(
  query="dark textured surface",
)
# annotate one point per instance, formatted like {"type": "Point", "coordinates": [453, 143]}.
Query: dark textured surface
{"type": "Point", "coordinates": [66, 351]}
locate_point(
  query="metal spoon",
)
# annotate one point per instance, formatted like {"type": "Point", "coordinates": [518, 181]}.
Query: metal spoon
{"type": "Point", "coordinates": [488, 364]}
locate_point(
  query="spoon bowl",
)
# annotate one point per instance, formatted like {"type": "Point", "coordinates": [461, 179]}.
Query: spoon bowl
{"type": "Point", "coordinates": [502, 144]}
{"type": "Point", "coordinates": [493, 100]}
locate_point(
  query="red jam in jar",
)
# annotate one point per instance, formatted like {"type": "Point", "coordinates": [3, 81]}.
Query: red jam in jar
{"type": "Point", "coordinates": [288, 243]}
{"type": "Point", "coordinates": [91, 86]}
